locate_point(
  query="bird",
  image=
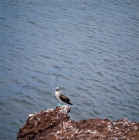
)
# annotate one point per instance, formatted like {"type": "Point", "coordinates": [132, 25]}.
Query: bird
{"type": "Point", "coordinates": [62, 98]}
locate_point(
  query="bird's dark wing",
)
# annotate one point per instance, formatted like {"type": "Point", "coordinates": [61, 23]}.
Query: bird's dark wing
{"type": "Point", "coordinates": [64, 98]}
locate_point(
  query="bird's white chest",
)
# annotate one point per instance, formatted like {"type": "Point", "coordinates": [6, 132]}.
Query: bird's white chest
{"type": "Point", "coordinates": [57, 94]}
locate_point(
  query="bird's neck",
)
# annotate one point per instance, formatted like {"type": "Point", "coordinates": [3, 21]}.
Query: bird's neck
{"type": "Point", "coordinates": [57, 93]}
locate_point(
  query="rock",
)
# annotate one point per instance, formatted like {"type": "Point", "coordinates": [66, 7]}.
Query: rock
{"type": "Point", "coordinates": [55, 124]}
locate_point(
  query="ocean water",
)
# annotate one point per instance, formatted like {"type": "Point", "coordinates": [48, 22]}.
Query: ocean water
{"type": "Point", "coordinates": [90, 49]}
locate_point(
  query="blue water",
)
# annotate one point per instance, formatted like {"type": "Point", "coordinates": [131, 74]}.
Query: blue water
{"type": "Point", "coordinates": [90, 49]}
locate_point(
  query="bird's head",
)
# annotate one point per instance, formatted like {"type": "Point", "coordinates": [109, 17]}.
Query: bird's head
{"type": "Point", "coordinates": [57, 88]}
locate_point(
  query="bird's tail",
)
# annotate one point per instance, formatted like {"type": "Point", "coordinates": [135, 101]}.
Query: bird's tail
{"type": "Point", "coordinates": [70, 103]}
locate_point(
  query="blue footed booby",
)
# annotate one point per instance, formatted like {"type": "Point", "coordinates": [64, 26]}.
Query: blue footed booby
{"type": "Point", "coordinates": [62, 98]}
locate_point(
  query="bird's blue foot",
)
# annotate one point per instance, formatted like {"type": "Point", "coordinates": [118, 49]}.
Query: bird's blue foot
{"type": "Point", "coordinates": [59, 104]}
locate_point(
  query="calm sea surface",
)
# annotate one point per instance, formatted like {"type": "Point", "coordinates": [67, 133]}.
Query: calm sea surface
{"type": "Point", "coordinates": [89, 48]}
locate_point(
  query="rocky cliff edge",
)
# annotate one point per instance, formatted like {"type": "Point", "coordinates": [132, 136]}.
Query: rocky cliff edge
{"type": "Point", "coordinates": [55, 124]}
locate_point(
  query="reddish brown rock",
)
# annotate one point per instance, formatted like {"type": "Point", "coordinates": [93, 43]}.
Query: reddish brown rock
{"type": "Point", "coordinates": [56, 125]}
